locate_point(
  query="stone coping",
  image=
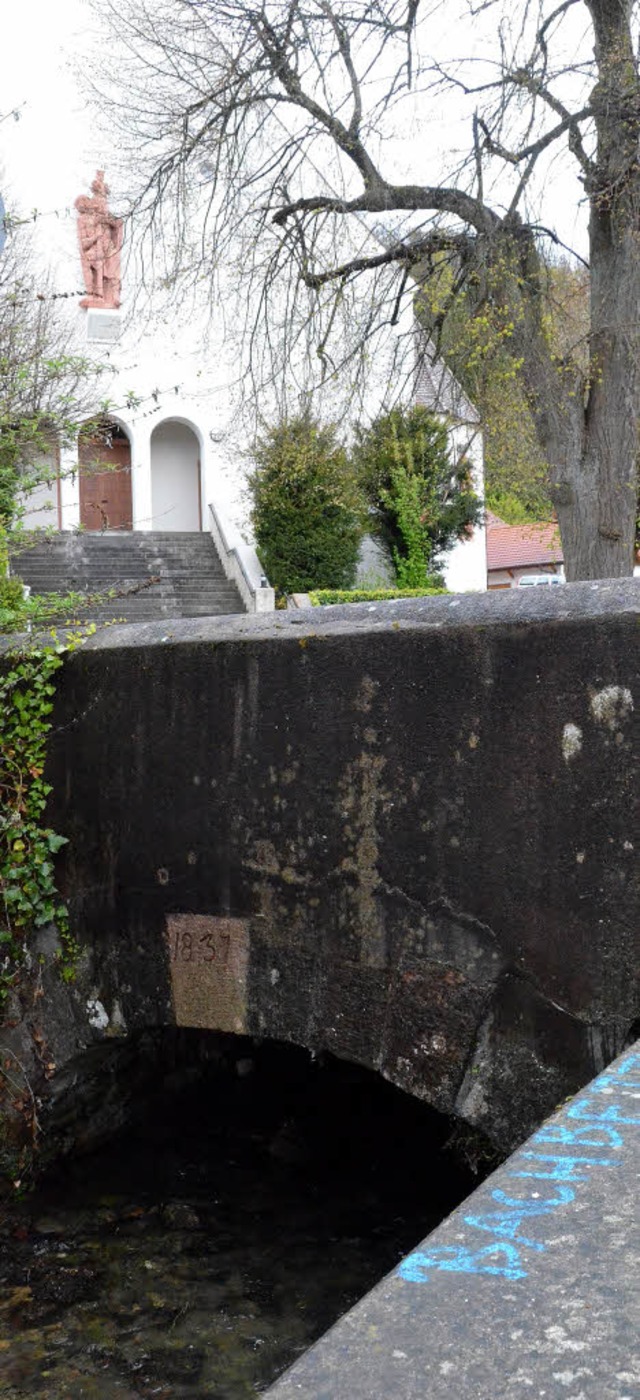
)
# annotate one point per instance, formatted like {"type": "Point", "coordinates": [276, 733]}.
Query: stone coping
{"type": "Point", "coordinates": [605, 600]}
{"type": "Point", "coordinates": [531, 1288]}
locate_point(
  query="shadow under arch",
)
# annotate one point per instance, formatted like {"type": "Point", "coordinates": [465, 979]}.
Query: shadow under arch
{"type": "Point", "coordinates": [295, 1097]}
{"type": "Point", "coordinates": [266, 1190]}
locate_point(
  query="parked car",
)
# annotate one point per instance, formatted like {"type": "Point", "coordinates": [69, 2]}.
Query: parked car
{"type": "Point", "coordinates": [539, 580]}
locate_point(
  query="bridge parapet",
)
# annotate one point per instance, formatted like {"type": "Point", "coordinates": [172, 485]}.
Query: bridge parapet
{"type": "Point", "coordinates": [529, 1287]}
{"type": "Point", "coordinates": [405, 833]}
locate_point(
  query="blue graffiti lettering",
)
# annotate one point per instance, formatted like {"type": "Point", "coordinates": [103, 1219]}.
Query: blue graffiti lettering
{"type": "Point", "coordinates": [583, 1109]}
{"type": "Point", "coordinates": [458, 1260]}
{"type": "Point", "coordinates": [581, 1137]}
{"type": "Point", "coordinates": [506, 1223]}
{"type": "Point", "coordinates": [502, 1225]}
{"type": "Point", "coordinates": [587, 1124]}
{"type": "Point", "coordinates": [609, 1085]}
{"type": "Point", "coordinates": [630, 1062]}
{"type": "Point", "coordinates": [565, 1167]}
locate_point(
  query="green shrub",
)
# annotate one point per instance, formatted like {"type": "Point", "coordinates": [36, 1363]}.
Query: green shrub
{"type": "Point", "coordinates": [307, 511]}
{"type": "Point", "coordinates": [422, 500]}
{"type": "Point", "coordinates": [21, 614]}
{"type": "Point", "coordinates": [12, 604]}
{"type": "Point", "coordinates": [325, 597]}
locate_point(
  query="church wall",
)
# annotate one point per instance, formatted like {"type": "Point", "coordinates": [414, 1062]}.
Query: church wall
{"type": "Point", "coordinates": [40, 504]}
{"type": "Point", "coordinates": [465, 567]}
{"type": "Point", "coordinates": [40, 507]}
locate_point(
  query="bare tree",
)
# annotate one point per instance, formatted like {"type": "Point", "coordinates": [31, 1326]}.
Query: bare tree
{"type": "Point", "coordinates": [46, 387]}
{"type": "Point", "coordinates": [274, 129]}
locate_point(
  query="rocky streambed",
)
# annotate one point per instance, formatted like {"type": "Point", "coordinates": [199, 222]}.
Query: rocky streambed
{"type": "Point", "coordinates": [201, 1252]}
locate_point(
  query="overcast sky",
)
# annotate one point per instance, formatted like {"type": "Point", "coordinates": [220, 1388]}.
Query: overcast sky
{"type": "Point", "coordinates": [51, 153]}
{"type": "Point", "coordinates": [38, 154]}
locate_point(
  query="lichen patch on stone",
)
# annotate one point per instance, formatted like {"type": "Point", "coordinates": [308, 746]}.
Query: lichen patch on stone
{"type": "Point", "coordinates": [611, 706]}
{"type": "Point", "coordinates": [571, 742]}
{"type": "Point", "coordinates": [97, 1015]}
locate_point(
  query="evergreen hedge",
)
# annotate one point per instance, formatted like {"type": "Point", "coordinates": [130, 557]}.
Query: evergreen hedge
{"type": "Point", "coordinates": [307, 510]}
{"type": "Point", "coordinates": [325, 597]}
{"type": "Point", "coordinates": [422, 498]}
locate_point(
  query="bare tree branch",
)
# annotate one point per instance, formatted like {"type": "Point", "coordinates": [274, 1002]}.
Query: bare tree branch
{"type": "Point", "coordinates": [568, 121]}
{"type": "Point", "coordinates": [534, 148]}
{"type": "Point", "coordinates": [407, 255]}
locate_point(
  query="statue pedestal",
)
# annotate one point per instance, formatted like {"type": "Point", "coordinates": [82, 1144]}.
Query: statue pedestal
{"type": "Point", "coordinates": [99, 303]}
{"type": "Point", "coordinates": [103, 323]}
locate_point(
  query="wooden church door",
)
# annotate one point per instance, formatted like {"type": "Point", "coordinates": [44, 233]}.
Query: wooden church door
{"type": "Point", "coordinates": [105, 481]}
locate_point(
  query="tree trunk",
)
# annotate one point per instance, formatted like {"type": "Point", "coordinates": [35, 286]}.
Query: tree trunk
{"type": "Point", "coordinates": [596, 490]}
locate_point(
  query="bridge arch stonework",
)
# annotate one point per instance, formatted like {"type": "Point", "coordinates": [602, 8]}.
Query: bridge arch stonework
{"type": "Point", "coordinates": [403, 834]}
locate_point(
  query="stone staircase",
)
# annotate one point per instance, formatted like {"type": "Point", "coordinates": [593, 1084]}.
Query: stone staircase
{"type": "Point", "coordinates": [139, 576]}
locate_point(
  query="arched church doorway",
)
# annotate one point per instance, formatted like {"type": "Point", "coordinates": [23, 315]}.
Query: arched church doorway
{"type": "Point", "coordinates": [104, 455]}
{"type": "Point", "coordinates": [175, 477]}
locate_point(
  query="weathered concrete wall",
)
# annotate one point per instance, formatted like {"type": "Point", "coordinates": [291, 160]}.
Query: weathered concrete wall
{"type": "Point", "coordinates": [404, 833]}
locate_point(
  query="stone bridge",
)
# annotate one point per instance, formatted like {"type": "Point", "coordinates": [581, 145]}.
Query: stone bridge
{"type": "Point", "coordinates": [405, 834]}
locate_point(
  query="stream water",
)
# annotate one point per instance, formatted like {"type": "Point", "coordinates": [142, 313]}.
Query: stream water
{"type": "Point", "coordinates": [199, 1254]}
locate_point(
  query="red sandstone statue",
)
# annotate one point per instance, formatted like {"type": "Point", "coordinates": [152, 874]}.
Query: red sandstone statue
{"type": "Point", "coordinates": [100, 237]}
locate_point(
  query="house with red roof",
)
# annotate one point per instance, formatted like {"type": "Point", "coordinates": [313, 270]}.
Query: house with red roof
{"type": "Point", "coordinates": [517, 550]}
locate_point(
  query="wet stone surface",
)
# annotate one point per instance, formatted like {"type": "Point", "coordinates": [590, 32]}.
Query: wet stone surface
{"type": "Point", "coordinates": [201, 1254]}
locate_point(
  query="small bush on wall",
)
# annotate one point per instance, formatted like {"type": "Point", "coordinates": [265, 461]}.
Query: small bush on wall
{"type": "Point", "coordinates": [307, 510]}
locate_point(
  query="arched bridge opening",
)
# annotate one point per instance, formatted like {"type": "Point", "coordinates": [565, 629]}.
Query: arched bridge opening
{"type": "Point", "coordinates": [239, 1193]}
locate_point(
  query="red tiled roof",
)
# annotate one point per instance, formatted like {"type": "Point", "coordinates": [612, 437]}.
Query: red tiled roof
{"type": "Point", "coordinates": [512, 546]}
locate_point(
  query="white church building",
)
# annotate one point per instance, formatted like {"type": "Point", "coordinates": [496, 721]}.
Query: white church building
{"type": "Point", "coordinates": [163, 414]}
{"type": "Point", "coordinates": [171, 442]}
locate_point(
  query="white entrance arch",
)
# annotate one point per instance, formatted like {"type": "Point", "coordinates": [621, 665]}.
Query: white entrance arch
{"type": "Point", "coordinates": [175, 477]}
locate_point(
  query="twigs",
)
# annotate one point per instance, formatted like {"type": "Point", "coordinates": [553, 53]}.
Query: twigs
{"type": "Point", "coordinates": [18, 1091]}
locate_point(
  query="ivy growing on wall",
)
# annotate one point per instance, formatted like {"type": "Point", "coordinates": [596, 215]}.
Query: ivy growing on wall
{"type": "Point", "coordinates": [28, 846]}
{"type": "Point", "coordinates": [28, 894]}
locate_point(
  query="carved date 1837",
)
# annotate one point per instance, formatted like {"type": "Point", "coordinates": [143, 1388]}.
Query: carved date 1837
{"type": "Point", "coordinates": [208, 957]}
{"type": "Point", "coordinates": [190, 946]}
